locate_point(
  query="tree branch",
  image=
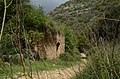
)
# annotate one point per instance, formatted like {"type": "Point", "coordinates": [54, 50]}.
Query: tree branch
{"type": "Point", "coordinates": [3, 23]}
{"type": "Point", "coordinates": [9, 4]}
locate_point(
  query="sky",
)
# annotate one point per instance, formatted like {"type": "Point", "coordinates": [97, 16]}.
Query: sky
{"type": "Point", "coordinates": [48, 5]}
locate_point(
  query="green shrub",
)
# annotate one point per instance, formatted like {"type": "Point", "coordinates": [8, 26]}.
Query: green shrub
{"type": "Point", "coordinates": [35, 36]}
{"type": "Point", "coordinates": [59, 17]}
{"type": "Point", "coordinates": [7, 47]}
{"type": "Point", "coordinates": [66, 57]}
{"type": "Point", "coordinates": [34, 19]}
{"type": "Point", "coordinates": [70, 57]}
{"type": "Point", "coordinates": [104, 63]}
{"type": "Point", "coordinates": [73, 14]}
{"type": "Point", "coordinates": [70, 40]}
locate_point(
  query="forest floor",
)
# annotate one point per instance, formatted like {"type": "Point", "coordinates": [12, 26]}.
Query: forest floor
{"type": "Point", "coordinates": [62, 73]}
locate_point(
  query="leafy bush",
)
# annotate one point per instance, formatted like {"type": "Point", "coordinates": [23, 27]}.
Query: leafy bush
{"type": "Point", "coordinates": [35, 36]}
{"type": "Point", "coordinates": [66, 57]}
{"type": "Point", "coordinates": [33, 24]}
{"type": "Point", "coordinates": [70, 57]}
{"type": "Point", "coordinates": [73, 14]}
{"type": "Point", "coordinates": [70, 40]}
{"type": "Point", "coordinates": [7, 45]}
{"type": "Point", "coordinates": [35, 19]}
{"type": "Point", "coordinates": [59, 17]}
{"type": "Point", "coordinates": [104, 63]}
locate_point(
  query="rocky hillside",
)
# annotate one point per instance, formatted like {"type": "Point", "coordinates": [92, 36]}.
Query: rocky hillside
{"type": "Point", "coordinates": [75, 13]}
{"type": "Point", "coordinates": [81, 13]}
{"type": "Point", "coordinates": [91, 18]}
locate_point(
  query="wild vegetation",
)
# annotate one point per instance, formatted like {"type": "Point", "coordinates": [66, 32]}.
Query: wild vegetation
{"type": "Point", "coordinates": [100, 17]}
{"type": "Point", "coordinates": [25, 24]}
{"type": "Point", "coordinates": [96, 24]}
{"type": "Point", "coordinates": [89, 26]}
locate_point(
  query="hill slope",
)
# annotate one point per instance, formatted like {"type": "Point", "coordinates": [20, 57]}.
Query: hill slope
{"type": "Point", "coordinates": [98, 14]}
{"type": "Point", "coordinates": [93, 18]}
{"type": "Point", "coordinates": [75, 13]}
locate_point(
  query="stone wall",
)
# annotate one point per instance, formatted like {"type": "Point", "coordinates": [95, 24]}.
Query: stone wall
{"type": "Point", "coordinates": [56, 47]}
{"type": "Point", "coordinates": [51, 46]}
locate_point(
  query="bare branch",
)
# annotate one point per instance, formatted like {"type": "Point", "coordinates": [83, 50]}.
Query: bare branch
{"type": "Point", "coordinates": [110, 19]}
{"type": "Point", "coordinates": [3, 23]}
{"type": "Point", "coordinates": [9, 4]}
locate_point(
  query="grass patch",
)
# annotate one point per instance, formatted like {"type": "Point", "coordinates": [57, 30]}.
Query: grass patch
{"type": "Point", "coordinates": [104, 63]}
{"type": "Point", "coordinates": [36, 66]}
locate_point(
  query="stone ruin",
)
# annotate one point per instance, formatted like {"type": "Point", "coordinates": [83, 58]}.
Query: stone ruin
{"type": "Point", "coordinates": [51, 46]}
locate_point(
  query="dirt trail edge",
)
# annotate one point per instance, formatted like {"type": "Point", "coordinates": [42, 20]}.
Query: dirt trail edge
{"type": "Point", "coordinates": [66, 73]}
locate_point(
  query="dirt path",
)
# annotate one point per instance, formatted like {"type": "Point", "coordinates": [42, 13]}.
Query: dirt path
{"type": "Point", "coordinates": [58, 73]}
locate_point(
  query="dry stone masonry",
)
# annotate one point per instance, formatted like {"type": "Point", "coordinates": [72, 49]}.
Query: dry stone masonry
{"type": "Point", "coordinates": [51, 46]}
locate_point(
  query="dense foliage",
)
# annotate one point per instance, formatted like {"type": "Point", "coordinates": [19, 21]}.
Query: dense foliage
{"type": "Point", "coordinates": [99, 19]}
{"type": "Point", "coordinates": [91, 26]}
{"type": "Point", "coordinates": [71, 49]}
{"type": "Point", "coordinates": [33, 24]}
{"type": "Point", "coordinates": [96, 24]}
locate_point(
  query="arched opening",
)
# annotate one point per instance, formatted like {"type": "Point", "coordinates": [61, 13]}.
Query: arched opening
{"type": "Point", "coordinates": [57, 46]}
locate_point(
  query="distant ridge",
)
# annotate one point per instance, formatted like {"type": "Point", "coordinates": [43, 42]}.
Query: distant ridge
{"type": "Point", "coordinates": [75, 13]}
